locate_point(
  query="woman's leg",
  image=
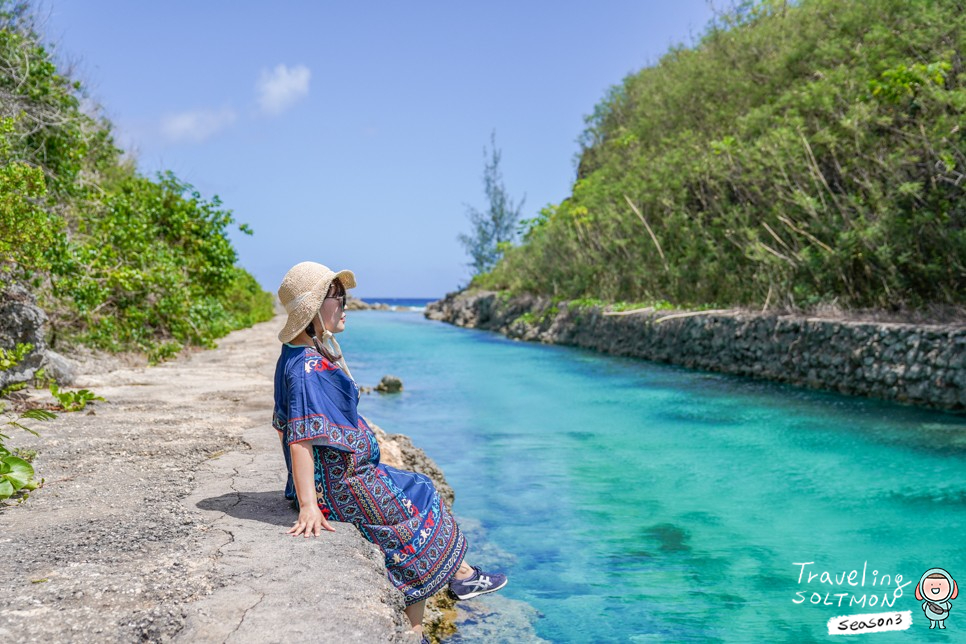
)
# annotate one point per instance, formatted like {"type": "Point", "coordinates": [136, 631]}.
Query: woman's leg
{"type": "Point", "coordinates": [468, 582]}
{"type": "Point", "coordinates": [415, 615]}
{"type": "Point", "coordinates": [464, 572]}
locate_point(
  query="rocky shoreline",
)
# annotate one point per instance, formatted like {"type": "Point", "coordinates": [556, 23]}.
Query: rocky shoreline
{"type": "Point", "coordinates": [920, 364]}
{"type": "Point", "coordinates": [355, 304]}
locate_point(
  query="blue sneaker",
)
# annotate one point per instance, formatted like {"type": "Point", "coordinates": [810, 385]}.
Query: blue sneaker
{"type": "Point", "coordinates": [479, 583]}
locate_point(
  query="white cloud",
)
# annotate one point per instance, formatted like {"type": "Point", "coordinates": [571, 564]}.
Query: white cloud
{"type": "Point", "coordinates": [280, 88]}
{"type": "Point", "coordinates": [196, 125]}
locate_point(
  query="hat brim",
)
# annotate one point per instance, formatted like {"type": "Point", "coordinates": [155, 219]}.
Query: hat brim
{"type": "Point", "coordinates": [348, 279]}
{"type": "Point", "coordinates": [300, 317]}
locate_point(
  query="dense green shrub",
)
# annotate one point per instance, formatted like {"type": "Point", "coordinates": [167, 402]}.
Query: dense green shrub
{"type": "Point", "coordinates": [800, 153]}
{"type": "Point", "coordinates": [26, 229]}
{"type": "Point", "coordinates": [152, 268]}
{"type": "Point", "coordinates": [118, 260]}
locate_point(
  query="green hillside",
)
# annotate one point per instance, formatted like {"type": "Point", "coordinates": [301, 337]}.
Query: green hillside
{"type": "Point", "coordinates": [800, 153]}
{"type": "Point", "coordinates": [116, 259]}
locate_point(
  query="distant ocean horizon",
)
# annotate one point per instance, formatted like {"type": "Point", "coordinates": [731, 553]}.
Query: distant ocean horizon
{"type": "Point", "coordinates": [415, 303]}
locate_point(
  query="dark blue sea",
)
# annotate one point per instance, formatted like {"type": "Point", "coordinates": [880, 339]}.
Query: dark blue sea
{"type": "Point", "coordinates": [639, 502]}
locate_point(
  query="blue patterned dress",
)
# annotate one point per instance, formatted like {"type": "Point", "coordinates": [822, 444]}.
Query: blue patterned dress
{"type": "Point", "coordinates": [399, 511]}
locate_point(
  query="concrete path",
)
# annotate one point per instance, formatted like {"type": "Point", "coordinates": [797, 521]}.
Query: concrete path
{"type": "Point", "coordinates": [162, 519]}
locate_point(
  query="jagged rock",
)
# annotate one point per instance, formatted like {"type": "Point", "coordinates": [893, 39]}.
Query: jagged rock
{"type": "Point", "coordinates": [59, 368]}
{"type": "Point", "coordinates": [21, 322]}
{"type": "Point", "coordinates": [355, 304]}
{"type": "Point", "coordinates": [389, 385]}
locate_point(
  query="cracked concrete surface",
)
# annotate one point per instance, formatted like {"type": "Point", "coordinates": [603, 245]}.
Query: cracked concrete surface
{"type": "Point", "coordinates": [162, 519]}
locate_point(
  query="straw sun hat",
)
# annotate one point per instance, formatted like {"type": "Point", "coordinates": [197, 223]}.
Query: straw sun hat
{"type": "Point", "coordinates": [302, 291]}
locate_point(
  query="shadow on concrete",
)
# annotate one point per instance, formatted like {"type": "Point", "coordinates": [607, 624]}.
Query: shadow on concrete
{"type": "Point", "coordinates": [267, 507]}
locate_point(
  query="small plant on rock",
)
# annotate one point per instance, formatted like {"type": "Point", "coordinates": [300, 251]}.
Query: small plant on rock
{"type": "Point", "coordinates": [10, 358]}
{"type": "Point", "coordinates": [17, 474]}
{"type": "Point", "coordinates": [73, 400]}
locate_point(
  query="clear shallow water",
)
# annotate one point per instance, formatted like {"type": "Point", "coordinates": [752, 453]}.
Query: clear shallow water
{"type": "Point", "coordinates": [638, 502]}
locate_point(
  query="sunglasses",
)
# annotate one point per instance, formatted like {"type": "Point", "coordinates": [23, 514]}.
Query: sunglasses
{"type": "Point", "coordinates": [340, 298]}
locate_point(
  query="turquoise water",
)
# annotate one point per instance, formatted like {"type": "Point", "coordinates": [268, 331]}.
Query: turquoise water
{"type": "Point", "coordinates": [635, 502]}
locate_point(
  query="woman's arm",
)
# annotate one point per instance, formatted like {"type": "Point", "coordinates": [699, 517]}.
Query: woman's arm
{"type": "Point", "coordinates": [310, 521]}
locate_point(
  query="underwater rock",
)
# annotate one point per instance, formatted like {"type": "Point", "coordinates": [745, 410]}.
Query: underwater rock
{"type": "Point", "coordinates": [389, 385]}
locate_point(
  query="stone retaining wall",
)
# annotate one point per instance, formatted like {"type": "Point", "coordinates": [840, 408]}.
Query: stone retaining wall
{"type": "Point", "coordinates": [919, 364]}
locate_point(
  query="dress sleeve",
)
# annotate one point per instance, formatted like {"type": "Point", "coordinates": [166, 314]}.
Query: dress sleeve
{"type": "Point", "coordinates": [278, 419]}
{"type": "Point", "coordinates": [310, 409]}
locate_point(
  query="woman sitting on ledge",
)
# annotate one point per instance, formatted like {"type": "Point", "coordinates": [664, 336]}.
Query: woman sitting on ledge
{"type": "Point", "coordinates": [333, 456]}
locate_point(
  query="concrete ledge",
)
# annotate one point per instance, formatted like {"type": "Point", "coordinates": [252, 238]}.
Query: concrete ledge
{"type": "Point", "coordinates": [162, 519]}
{"type": "Point", "coordinates": [920, 364]}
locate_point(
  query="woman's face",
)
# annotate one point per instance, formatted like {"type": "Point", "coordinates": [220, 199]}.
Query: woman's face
{"type": "Point", "coordinates": [333, 308]}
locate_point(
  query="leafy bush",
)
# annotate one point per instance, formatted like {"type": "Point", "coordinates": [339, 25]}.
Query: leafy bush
{"type": "Point", "coordinates": [118, 260]}
{"type": "Point", "coordinates": [26, 230]}
{"type": "Point", "coordinates": [152, 268]}
{"type": "Point", "coordinates": [801, 153]}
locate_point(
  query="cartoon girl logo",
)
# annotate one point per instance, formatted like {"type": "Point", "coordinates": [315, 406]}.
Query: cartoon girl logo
{"type": "Point", "coordinates": [935, 590]}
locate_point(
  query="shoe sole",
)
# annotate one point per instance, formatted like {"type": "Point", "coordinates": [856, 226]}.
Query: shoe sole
{"type": "Point", "coordinates": [481, 592]}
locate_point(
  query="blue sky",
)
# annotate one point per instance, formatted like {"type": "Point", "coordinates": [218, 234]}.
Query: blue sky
{"type": "Point", "coordinates": [352, 133]}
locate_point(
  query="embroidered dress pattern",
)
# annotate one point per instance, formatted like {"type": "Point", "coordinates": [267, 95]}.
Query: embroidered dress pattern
{"type": "Point", "coordinates": [399, 511]}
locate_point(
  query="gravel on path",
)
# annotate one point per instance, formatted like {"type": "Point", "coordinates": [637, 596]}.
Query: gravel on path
{"type": "Point", "coordinates": [162, 519]}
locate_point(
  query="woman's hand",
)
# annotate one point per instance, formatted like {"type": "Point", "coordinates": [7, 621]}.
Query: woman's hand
{"type": "Point", "coordinates": [310, 522]}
